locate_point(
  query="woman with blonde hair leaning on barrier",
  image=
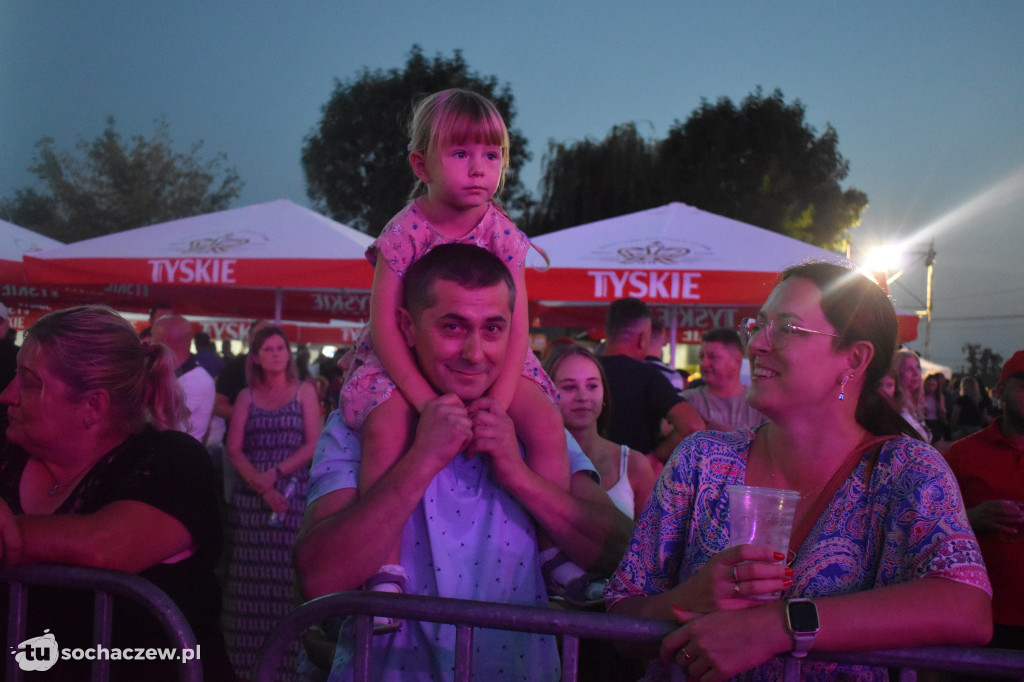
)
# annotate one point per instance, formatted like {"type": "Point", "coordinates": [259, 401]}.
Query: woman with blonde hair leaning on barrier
{"type": "Point", "coordinates": [882, 554]}
{"type": "Point", "coordinates": [92, 474]}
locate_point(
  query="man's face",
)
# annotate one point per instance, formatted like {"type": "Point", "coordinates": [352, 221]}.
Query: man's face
{"type": "Point", "coordinates": [720, 365]}
{"type": "Point", "coordinates": [460, 341]}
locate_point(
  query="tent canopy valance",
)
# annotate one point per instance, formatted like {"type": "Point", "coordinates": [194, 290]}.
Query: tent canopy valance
{"type": "Point", "coordinates": [687, 264]}
{"type": "Point", "coordinates": [256, 261]}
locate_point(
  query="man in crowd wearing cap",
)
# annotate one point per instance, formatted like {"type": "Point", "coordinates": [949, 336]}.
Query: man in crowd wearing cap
{"type": "Point", "coordinates": [8, 358]}
{"type": "Point", "coordinates": [989, 466]}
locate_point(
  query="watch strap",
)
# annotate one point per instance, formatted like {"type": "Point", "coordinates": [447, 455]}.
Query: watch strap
{"type": "Point", "coordinates": [803, 640]}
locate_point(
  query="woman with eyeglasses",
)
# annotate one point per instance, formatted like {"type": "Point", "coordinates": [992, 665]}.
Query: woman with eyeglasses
{"type": "Point", "coordinates": [881, 556]}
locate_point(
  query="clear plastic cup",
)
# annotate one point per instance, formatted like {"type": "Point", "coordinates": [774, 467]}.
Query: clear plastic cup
{"type": "Point", "coordinates": [761, 516]}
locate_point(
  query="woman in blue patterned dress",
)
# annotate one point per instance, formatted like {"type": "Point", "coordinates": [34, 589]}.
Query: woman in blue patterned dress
{"type": "Point", "coordinates": [881, 548]}
{"type": "Point", "coordinates": [273, 431]}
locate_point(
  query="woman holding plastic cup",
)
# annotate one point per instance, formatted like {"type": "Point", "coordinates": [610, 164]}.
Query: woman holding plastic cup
{"type": "Point", "coordinates": [881, 554]}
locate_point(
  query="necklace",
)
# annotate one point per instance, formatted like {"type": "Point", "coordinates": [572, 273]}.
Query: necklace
{"type": "Point", "coordinates": [57, 485]}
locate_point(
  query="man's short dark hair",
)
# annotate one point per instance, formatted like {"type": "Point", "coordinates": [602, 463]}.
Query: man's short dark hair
{"type": "Point", "coordinates": [723, 335]}
{"type": "Point", "coordinates": [469, 266]}
{"type": "Point", "coordinates": [202, 340]}
{"type": "Point", "coordinates": [157, 308]}
{"type": "Point", "coordinates": [623, 315]}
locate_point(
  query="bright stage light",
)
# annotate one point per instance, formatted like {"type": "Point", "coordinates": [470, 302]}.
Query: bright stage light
{"type": "Point", "coordinates": [885, 258]}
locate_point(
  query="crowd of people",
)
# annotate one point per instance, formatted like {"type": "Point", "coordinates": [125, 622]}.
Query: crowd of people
{"type": "Point", "coordinates": [459, 464]}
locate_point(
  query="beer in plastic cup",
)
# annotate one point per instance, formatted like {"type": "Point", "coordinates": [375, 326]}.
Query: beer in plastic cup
{"type": "Point", "coordinates": [761, 516]}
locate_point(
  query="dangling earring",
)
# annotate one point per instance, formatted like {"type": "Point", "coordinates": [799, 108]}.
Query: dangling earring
{"type": "Point", "coordinates": [842, 387]}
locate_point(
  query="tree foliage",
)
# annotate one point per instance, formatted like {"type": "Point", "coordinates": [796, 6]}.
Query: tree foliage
{"type": "Point", "coordinates": [111, 186]}
{"type": "Point", "coordinates": [589, 180]}
{"type": "Point", "coordinates": [759, 163]}
{"type": "Point", "coordinates": [356, 159]}
{"type": "Point", "coordinates": [982, 362]}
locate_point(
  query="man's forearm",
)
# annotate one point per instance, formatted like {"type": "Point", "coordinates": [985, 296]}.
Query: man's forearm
{"type": "Point", "coordinates": [345, 538]}
{"type": "Point", "coordinates": [667, 445]}
{"type": "Point", "coordinates": [583, 522]}
{"type": "Point", "coordinates": [684, 420]}
{"type": "Point", "coordinates": [611, 531]}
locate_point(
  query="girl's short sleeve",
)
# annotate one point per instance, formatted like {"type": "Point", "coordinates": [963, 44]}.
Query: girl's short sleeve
{"type": "Point", "coordinates": [405, 238]}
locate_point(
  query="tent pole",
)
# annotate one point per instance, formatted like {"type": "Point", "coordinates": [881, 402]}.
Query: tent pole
{"type": "Point", "coordinates": [673, 317]}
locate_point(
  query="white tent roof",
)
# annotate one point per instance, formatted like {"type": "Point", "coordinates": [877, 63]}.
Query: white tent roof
{"type": "Point", "coordinates": [277, 244]}
{"type": "Point", "coordinates": [673, 254]}
{"type": "Point", "coordinates": [17, 241]}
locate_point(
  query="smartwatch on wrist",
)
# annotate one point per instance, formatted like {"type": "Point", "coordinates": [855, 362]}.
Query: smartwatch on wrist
{"type": "Point", "coordinates": [802, 621]}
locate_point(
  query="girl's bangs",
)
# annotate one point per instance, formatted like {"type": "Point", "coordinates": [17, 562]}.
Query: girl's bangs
{"type": "Point", "coordinates": [471, 128]}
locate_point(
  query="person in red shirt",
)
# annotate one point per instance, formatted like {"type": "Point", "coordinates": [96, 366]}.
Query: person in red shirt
{"type": "Point", "coordinates": [989, 466]}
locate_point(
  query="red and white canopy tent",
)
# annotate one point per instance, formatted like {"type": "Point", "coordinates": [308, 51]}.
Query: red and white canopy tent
{"type": "Point", "coordinates": [24, 301]}
{"type": "Point", "coordinates": [266, 259]}
{"type": "Point", "coordinates": [696, 269]}
{"type": "Point", "coordinates": [15, 242]}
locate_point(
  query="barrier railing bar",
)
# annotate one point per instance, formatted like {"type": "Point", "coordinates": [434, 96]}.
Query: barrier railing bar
{"type": "Point", "coordinates": [572, 625]}
{"type": "Point", "coordinates": [463, 653]}
{"type": "Point", "coordinates": [16, 603]}
{"type": "Point", "coordinates": [570, 658]}
{"type": "Point", "coordinates": [154, 600]}
{"type": "Point", "coordinates": [364, 643]}
{"type": "Point", "coordinates": [102, 615]}
{"type": "Point", "coordinates": [974, 660]}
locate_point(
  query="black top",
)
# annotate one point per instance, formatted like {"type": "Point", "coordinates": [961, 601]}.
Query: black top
{"type": "Point", "coordinates": [231, 379]}
{"type": "Point", "coordinates": [172, 472]}
{"type": "Point", "coordinates": [641, 396]}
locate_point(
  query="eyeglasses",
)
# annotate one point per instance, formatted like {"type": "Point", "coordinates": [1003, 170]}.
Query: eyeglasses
{"type": "Point", "coordinates": [778, 335]}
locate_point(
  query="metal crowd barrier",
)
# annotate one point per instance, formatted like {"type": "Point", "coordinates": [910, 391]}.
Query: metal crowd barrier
{"type": "Point", "coordinates": [105, 585]}
{"type": "Point", "coordinates": [571, 626]}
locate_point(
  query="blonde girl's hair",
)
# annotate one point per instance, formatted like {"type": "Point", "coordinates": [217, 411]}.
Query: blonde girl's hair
{"type": "Point", "coordinates": [93, 348]}
{"type": "Point", "coordinates": [456, 116]}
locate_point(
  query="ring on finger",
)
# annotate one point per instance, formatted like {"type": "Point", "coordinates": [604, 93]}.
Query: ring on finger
{"type": "Point", "coordinates": [736, 588]}
{"type": "Point", "coordinates": [687, 656]}
{"type": "Point", "coordinates": [735, 579]}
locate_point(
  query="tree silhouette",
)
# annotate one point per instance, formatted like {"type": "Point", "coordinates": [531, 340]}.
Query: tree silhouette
{"type": "Point", "coordinates": [983, 363]}
{"type": "Point", "coordinates": [588, 181]}
{"type": "Point", "coordinates": [111, 185]}
{"type": "Point", "coordinates": [356, 159]}
{"type": "Point", "coordinates": [759, 163]}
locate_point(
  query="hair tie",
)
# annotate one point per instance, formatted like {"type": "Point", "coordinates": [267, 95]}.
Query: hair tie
{"type": "Point", "coordinates": [149, 350]}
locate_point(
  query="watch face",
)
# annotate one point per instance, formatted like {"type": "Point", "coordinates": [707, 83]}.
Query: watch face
{"type": "Point", "coordinates": [803, 616]}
